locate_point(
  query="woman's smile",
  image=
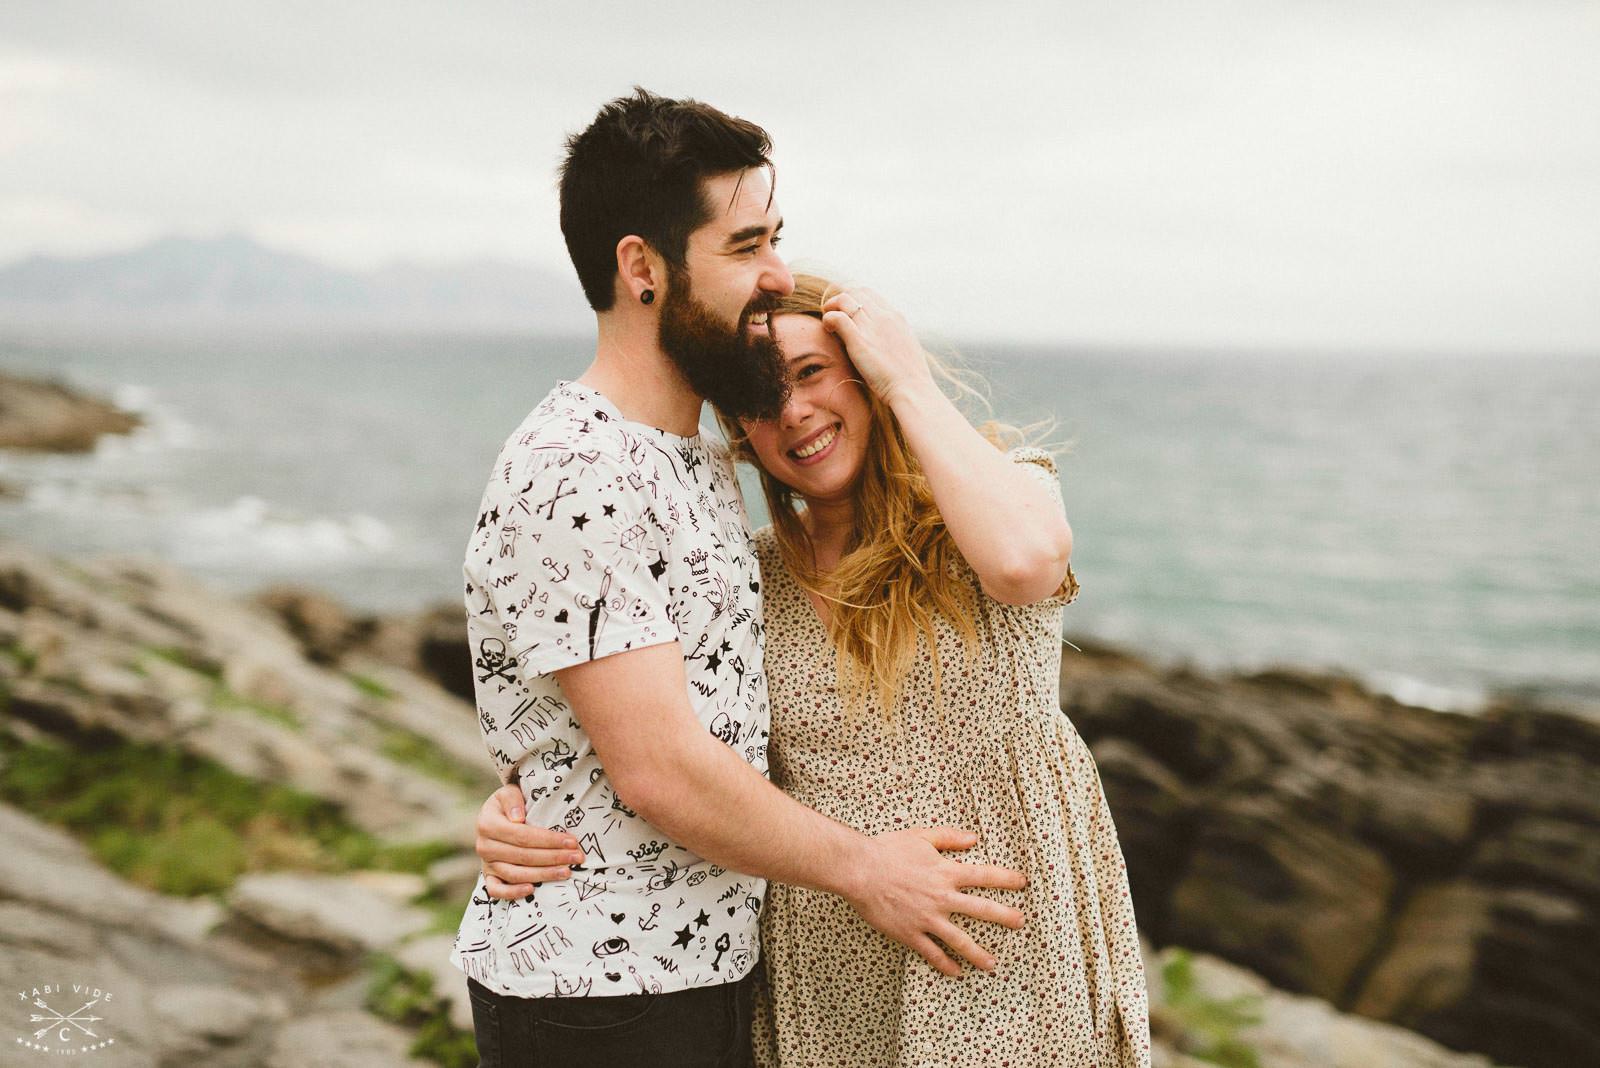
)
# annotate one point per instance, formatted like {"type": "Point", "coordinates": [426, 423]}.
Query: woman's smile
{"type": "Point", "coordinates": [815, 448]}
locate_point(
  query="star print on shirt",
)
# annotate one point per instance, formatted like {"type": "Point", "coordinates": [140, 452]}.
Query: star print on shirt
{"type": "Point", "coordinates": [713, 662]}
{"type": "Point", "coordinates": [566, 458]}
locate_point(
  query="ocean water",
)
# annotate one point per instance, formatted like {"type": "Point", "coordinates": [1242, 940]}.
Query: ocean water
{"type": "Point", "coordinates": [1427, 522]}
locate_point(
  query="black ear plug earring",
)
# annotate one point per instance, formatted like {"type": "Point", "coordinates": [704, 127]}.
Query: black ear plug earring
{"type": "Point", "coordinates": [647, 297]}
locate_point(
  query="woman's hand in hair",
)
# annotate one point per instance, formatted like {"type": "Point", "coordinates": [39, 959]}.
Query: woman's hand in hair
{"type": "Point", "coordinates": [879, 342]}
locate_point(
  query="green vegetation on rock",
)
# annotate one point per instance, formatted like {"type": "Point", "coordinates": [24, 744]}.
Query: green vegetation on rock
{"type": "Point", "coordinates": [1211, 1025]}
{"type": "Point", "coordinates": [25, 658]}
{"type": "Point", "coordinates": [221, 697]}
{"type": "Point", "coordinates": [226, 699]}
{"type": "Point", "coordinates": [184, 659]}
{"type": "Point", "coordinates": [181, 824]}
{"type": "Point", "coordinates": [419, 753]}
{"type": "Point", "coordinates": [369, 686]}
{"type": "Point", "coordinates": [407, 998]}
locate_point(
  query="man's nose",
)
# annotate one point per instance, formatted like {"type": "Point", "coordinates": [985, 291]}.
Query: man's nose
{"type": "Point", "coordinates": [777, 277]}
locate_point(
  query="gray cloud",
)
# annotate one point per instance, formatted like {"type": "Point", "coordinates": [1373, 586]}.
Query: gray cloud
{"type": "Point", "coordinates": [1297, 173]}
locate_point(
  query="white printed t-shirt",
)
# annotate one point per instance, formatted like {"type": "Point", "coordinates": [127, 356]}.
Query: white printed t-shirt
{"type": "Point", "coordinates": [597, 535]}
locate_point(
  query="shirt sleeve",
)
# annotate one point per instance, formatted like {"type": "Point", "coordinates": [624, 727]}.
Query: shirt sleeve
{"type": "Point", "coordinates": [1041, 467]}
{"type": "Point", "coordinates": [571, 563]}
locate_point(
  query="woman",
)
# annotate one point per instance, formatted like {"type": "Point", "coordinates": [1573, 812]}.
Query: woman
{"type": "Point", "coordinates": [936, 568]}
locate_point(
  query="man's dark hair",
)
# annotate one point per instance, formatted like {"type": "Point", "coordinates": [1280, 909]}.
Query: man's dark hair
{"type": "Point", "coordinates": [637, 170]}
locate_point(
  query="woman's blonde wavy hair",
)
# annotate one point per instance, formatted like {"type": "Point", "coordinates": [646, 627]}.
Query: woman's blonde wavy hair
{"type": "Point", "coordinates": [896, 574]}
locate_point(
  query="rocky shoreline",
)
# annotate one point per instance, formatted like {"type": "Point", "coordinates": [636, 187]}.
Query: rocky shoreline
{"type": "Point", "coordinates": [199, 793]}
{"type": "Point", "coordinates": [46, 416]}
{"type": "Point", "coordinates": [1435, 870]}
{"type": "Point", "coordinates": [1316, 864]}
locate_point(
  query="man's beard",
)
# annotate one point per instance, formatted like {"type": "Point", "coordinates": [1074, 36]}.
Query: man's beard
{"type": "Point", "coordinates": [743, 374]}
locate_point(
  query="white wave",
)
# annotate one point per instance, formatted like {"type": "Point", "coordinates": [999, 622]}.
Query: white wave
{"type": "Point", "coordinates": [163, 428]}
{"type": "Point", "coordinates": [249, 531]}
{"type": "Point", "coordinates": [83, 497]}
{"type": "Point", "coordinates": [1413, 691]}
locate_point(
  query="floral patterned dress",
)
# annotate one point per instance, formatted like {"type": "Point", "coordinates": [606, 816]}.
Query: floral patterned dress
{"type": "Point", "coordinates": [996, 756]}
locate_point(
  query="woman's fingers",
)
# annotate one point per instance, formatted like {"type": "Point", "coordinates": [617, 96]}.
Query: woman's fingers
{"type": "Point", "coordinates": [845, 301]}
{"type": "Point", "coordinates": [848, 329]}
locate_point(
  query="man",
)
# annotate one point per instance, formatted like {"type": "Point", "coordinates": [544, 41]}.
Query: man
{"type": "Point", "coordinates": [614, 614]}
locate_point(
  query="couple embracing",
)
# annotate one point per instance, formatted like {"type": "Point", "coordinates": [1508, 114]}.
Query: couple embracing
{"type": "Point", "coordinates": [886, 651]}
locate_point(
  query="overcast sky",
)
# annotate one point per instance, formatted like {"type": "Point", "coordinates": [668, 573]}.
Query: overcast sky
{"type": "Point", "coordinates": [1301, 173]}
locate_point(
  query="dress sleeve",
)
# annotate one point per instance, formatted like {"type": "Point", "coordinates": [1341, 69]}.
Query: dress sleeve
{"type": "Point", "coordinates": [1041, 466]}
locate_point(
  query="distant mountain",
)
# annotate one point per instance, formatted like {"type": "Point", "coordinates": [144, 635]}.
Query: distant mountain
{"type": "Point", "coordinates": [235, 280]}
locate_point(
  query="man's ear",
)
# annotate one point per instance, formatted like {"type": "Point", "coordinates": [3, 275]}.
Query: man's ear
{"type": "Point", "coordinates": [640, 269]}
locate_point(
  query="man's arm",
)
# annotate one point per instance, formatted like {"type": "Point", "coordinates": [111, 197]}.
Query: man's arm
{"type": "Point", "coordinates": [667, 767]}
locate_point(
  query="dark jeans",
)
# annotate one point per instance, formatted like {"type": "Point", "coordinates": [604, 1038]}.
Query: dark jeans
{"type": "Point", "coordinates": [707, 1027]}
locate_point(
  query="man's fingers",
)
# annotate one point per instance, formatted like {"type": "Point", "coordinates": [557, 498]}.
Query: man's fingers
{"type": "Point", "coordinates": [502, 891]}
{"type": "Point", "coordinates": [946, 839]}
{"type": "Point", "coordinates": [510, 798]}
{"type": "Point", "coordinates": [990, 875]}
{"type": "Point", "coordinates": [981, 908]}
{"type": "Point", "coordinates": [522, 874]}
{"type": "Point", "coordinates": [533, 857]}
{"type": "Point", "coordinates": [492, 851]}
{"type": "Point", "coordinates": [528, 836]}
{"type": "Point", "coordinates": [962, 943]}
{"type": "Point", "coordinates": [936, 957]}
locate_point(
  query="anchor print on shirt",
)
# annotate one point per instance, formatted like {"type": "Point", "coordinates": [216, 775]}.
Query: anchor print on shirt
{"type": "Point", "coordinates": [587, 546]}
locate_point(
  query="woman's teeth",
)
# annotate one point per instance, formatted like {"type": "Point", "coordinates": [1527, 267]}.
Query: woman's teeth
{"type": "Point", "coordinates": [817, 446]}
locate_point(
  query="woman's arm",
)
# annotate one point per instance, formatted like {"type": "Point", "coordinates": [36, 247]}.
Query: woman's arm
{"type": "Point", "coordinates": [1005, 521]}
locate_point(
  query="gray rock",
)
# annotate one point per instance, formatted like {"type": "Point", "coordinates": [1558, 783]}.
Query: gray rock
{"type": "Point", "coordinates": [340, 913]}
{"type": "Point", "coordinates": [344, 1039]}
{"type": "Point", "coordinates": [455, 878]}
{"type": "Point", "coordinates": [430, 956]}
{"type": "Point", "coordinates": [207, 1015]}
{"type": "Point", "coordinates": [1304, 1032]}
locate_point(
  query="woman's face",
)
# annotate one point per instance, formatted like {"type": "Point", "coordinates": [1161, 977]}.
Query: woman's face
{"type": "Point", "coordinates": [818, 444]}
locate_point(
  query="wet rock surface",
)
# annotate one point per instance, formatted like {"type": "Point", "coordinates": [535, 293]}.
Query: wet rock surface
{"type": "Point", "coordinates": [1440, 871]}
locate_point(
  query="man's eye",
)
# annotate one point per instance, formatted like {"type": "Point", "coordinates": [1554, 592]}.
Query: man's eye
{"type": "Point", "coordinates": [777, 239]}
{"type": "Point", "coordinates": [749, 250]}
